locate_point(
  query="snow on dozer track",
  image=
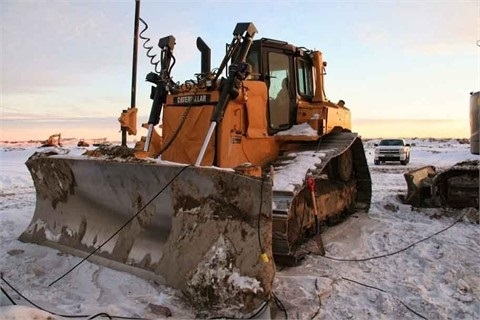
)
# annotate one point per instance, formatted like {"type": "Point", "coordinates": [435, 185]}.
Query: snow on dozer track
{"type": "Point", "coordinates": [343, 184]}
{"type": "Point", "coordinates": [192, 223]}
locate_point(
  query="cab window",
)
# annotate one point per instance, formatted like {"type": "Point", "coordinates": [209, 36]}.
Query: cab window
{"type": "Point", "coordinates": [253, 61]}
{"type": "Point", "coordinates": [279, 90]}
{"type": "Point", "coordinates": [305, 78]}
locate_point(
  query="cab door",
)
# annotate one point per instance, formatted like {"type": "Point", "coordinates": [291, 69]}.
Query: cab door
{"type": "Point", "coordinates": [281, 88]}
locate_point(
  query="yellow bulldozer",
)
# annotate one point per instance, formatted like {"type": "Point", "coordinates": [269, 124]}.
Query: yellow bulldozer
{"type": "Point", "coordinates": [246, 168]}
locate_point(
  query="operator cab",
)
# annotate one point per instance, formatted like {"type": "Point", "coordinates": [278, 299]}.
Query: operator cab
{"type": "Point", "coordinates": [288, 73]}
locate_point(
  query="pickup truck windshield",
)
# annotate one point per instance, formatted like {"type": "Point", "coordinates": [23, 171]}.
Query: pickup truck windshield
{"type": "Point", "coordinates": [391, 142]}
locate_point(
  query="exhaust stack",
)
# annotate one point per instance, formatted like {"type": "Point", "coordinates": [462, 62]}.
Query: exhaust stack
{"type": "Point", "coordinates": [206, 55]}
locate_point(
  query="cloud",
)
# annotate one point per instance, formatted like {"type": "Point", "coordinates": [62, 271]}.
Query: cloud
{"type": "Point", "coordinates": [428, 28]}
{"type": "Point", "coordinates": [75, 56]}
{"type": "Point", "coordinates": [49, 44]}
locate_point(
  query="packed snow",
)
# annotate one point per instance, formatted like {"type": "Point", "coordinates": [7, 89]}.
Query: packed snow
{"type": "Point", "coordinates": [303, 129]}
{"type": "Point", "coordinates": [394, 262]}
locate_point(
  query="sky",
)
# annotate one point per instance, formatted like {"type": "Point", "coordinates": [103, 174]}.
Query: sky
{"type": "Point", "coordinates": [70, 61]}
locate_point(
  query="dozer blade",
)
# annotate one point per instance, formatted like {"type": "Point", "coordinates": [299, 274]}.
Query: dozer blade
{"type": "Point", "coordinates": [201, 229]}
{"type": "Point", "coordinates": [419, 182]}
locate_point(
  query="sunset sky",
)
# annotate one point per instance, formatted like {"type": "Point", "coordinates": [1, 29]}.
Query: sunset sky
{"type": "Point", "coordinates": [66, 65]}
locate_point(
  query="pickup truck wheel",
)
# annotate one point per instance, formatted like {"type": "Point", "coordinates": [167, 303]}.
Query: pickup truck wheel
{"type": "Point", "coordinates": [407, 160]}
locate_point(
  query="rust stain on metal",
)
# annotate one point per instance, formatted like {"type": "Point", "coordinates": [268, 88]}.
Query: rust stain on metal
{"type": "Point", "coordinates": [53, 180]}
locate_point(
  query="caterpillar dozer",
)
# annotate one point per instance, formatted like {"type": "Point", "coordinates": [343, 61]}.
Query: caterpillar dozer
{"type": "Point", "coordinates": [245, 169]}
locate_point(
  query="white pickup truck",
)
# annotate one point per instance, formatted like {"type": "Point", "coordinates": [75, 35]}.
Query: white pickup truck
{"type": "Point", "coordinates": [392, 150]}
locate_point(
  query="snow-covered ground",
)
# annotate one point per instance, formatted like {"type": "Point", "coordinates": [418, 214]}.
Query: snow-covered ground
{"type": "Point", "coordinates": [438, 278]}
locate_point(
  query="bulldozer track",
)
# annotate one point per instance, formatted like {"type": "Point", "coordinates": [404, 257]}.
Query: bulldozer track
{"type": "Point", "coordinates": [328, 148]}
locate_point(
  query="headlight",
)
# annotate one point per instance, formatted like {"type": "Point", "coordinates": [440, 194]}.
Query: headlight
{"type": "Point", "coordinates": [377, 151]}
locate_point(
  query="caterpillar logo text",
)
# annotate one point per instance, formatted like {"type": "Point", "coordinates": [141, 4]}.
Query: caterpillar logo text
{"type": "Point", "coordinates": [199, 99]}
